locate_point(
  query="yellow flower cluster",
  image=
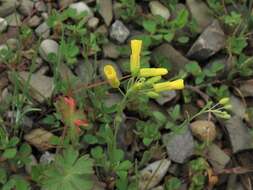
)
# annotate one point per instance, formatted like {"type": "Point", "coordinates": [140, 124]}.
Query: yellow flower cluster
{"type": "Point", "coordinates": [111, 76]}
{"type": "Point", "coordinates": [136, 71]}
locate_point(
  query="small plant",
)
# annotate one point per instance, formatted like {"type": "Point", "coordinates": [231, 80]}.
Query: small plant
{"type": "Point", "coordinates": [173, 184]}
{"type": "Point", "coordinates": [69, 171]}
{"type": "Point", "coordinates": [201, 75]}
{"type": "Point", "coordinates": [127, 9]}
{"type": "Point", "coordinates": [161, 29]}
{"type": "Point", "coordinates": [197, 172]}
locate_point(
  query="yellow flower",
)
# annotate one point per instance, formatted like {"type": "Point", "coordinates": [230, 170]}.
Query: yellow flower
{"type": "Point", "coordinates": [136, 46]}
{"type": "Point", "coordinates": [135, 57]}
{"type": "Point", "coordinates": [174, 85]}
{"type": "Point", "coordinates": [152, 72]}
{"type": "Point", "coordinates": [224, 101]}
{"type": "Point", "coordinates": [134, 64]}
{"type": "Point", "coordinates": [111, 76]}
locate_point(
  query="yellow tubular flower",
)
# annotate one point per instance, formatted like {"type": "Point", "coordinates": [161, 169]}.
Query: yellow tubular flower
{"type": "Point", "coordinates": [135, 64]}
{"type": "Point", "coordinates": [136, 46]}
{"type": "Point", "coordinates": [152, 72]}
{"type": "Point", "coordinates": [174, 85]}
{"type": "Point", "coordinates": [111, 76]}
{"type": "Point", "coordinates": [135, 56]}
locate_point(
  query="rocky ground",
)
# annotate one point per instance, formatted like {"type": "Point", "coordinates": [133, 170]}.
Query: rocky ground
{"type": "Point", "coordinates": [55, 51]}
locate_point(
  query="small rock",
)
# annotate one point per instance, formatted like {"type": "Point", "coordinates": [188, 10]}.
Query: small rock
{"type": "Point", "coordinates": [200, 12]}
{"type": "Point", "coordinates": [105, 10]}
{"type": "Point", "coordinates": [167, 53]}
{"type": "Point", "coordinates": [42, 70]}
{"type": "Point", "coordinates": [217, 157]}
{"type": "Point", "coordinates": [40, 138]}
{"type": "Point", "coordinates": [102, 30]}
{"type": "Point", "coordinates": [13, 43]}
{"type": "Point", "coordinates": [179, 146]}
{"type": "Point", "coordinates": [48, 46]}
{"type": "Point", "coordinates": [239, 134]}
{"type": "Point", "coordinates": [26, 7]}
{"type": "Point", "coordinates": [4, 94]}
{"type": "Point", "coordinates": [165, 97]}
{"type": "Point", "coordinates": [110, 50]}
{"type": "Point", "coordinates": [81, 7]}
{"type": "Point", "coordinates": [238, 107]}
{"type": "Point", "coordinates": [28, 166]}
{"type": "Point", "coordinates": [41, 6]}
{"type": "Point", "coordinates": [153, 174]}
{"type": "Point", "coordinates": [43, 30]}
{"type": "Point", "coordinates": [203, 130]}
{"type": "Point", "coordinates": [119, 31]}
{"type": "Point", "coordinates": [14, 19]}
{"type": "Point", "coordinates": [85, 71]}
{"type": "Point", "coordinates": [41, 86]}
{"type": "Point", "coordinates": [246, 88]}
{"type": "Point", "coordinates": [112, 99]}
{"type": "Point", "coordinates": [44, 15]}
{"type": "Point", "coordinates": [65, 3]}
{"type": "Point", "coordinates": [66, 73]}
{"type": "Point", "coordinates": [158, 188]}
{"type": "Point", "coordinates": [3, 81]}
{"type": "Point", "coordinates": [7, 7]}
{"type": "Point", "coordinates": [47, 158]}
{"type": "Point", "coordinates": [157, 8]}
{"type": "Point", "coordinates": [93, 22]}
{"type": "Point", "coordinates": [102, 63]}
{"type": "Point", "coordinates": [3, 25]}
{"type": "Point", "coordinates": [34, 21]}
{"type": "Point", "coordinates": [209, 42]}
{"type": "Point", "coordinates": [117, 9]}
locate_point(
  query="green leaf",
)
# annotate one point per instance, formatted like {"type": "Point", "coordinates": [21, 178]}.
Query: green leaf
{"type": "Point", "coordinates": [3, 176]}
{"type": "Point", "coordinates": [193, 68]}
{"type": "Point", "coordinates": [232, 19]}
{"type": "Point", "coordinates": [125, 165]}
{"type": "Point", "coordinates": [10, 153]}
{"type": "Point", "coordinates": [175, 113]}
{"type": "Point", "coordinates": [14, 141]}
{"type": "Point", "coordinates": [200, 78]}
{"type": "Point", "coordinates": [147, 141]}
{"type": "Point", "coordinates": [118, 155]}
{"type": "Point", "coordinates": [55, 140]}
{"type": "Point", "coordinates": [169, 36]}
{"type": "Point", "coordinates": [68, 172]}
{"type": "Point", "coordinates": [17, 183]}
{"type": "Point", "coordinates": [183, 39]}
{"type": "Point", "coordinates": [149, 26]}
{"type": "Point", "coordinates": [97, 152]}
{"type": "Point", "coordinates": [181, 20]}
{"type": "Point", "coordinates": [237, 44]}
{"type": "Point", "coordinates": [90, 139]}
{"type": "Point", "coordinates": [173, 184]}
{"type": "Point", "coordinates": [159, 117]}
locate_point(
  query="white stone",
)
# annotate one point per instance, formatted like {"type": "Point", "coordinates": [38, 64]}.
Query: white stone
{"type": "Point", "coordinates": [157, 8]}
{"type": "Point", "coordinates": [43, 30]}
{"type": "Point", "coordinates": [3, 25]}
{"type": "Point", "coordinates": [153, 174]}
{"type": "Point", "coordinates": [81, 7]}
{"type": "Point", "coordinates": [26, 7]}
{"type": "Point", "coordinates": [119, 31]}
{"type": "Point", "coordinates": [93, 22]}
{"type": "Point", "coordinates": [46, 47]}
